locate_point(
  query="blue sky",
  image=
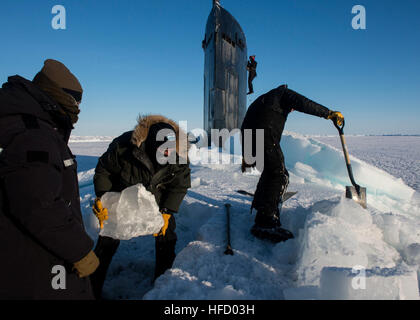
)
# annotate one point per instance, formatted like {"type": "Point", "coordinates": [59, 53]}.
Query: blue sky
{"type": "Point", "coordinates": [145, 57]}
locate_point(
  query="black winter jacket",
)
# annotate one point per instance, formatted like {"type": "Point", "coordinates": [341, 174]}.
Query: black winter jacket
{"type": "Point", "coordinates": [40, 218]}
{"type": "Point", "coordinates": [252, 66]}
{"type": "Point", "coordinates": [125, 164]}
{"type": "Point", "coordinates": [270, 110]}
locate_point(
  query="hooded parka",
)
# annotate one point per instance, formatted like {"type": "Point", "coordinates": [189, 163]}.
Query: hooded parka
{"type": "Point", "coordinates": [127, 162]}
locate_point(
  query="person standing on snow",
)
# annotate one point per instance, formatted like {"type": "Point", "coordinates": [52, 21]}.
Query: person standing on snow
{"type": "Point", "coordinates": [269, 112]}
{"type": "Point", "coordinates": [42, 232]}
{"type": "Point", "coordinates": [132, 159]}
{"type": "Point", "coordinates": [252, 73]}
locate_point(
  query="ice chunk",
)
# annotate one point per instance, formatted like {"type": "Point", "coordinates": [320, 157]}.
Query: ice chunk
{"type": "Point", "coordinates": [340, 235]}
{"type": "Point", "coordinates": [326, 242]}
{"type": "Point", "coordinates": [132, 213]}
{"type": "Point", "coordinates": [376, 284]}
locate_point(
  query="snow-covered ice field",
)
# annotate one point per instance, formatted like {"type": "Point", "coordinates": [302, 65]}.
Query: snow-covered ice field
{"type": "Point", "coordinates": [340, 250]}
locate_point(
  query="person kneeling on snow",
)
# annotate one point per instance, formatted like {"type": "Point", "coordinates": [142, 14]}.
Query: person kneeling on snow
{"type": "Point", "coordinates": [133, 158]}
{"type": "Point", "coordinates": [269, 112]}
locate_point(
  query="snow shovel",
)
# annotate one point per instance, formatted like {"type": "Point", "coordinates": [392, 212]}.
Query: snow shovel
{"type": "Point", "coordinates": [355, 192]}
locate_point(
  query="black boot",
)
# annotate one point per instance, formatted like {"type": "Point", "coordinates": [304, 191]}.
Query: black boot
{"type": "Point", "coordinates": [105, 250]}
{"type": "Point", "coordinates": [268, 227]}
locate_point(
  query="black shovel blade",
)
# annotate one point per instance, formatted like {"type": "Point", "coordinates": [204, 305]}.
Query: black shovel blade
{"type": "Point", "coordinates": [229, 250]}
{"type": "Point", "coordinates": [359, 197]}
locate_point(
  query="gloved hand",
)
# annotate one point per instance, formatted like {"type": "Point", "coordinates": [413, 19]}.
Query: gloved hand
{"type": "Point", "coordinates": [166, 216]}
{"type": "Point", "coordinates": [336, 117]}
{"type": "Point", "coordinates": [100, 212]}
{"type": "Point", "coordinates": [87, 265]}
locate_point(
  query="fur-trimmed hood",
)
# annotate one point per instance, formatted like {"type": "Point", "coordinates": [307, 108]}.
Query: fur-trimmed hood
{"type": "Point", "coordinates": [142, 130]}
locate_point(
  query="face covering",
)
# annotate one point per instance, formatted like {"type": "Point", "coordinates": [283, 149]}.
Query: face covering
{"type": "Point", "coordinates": [68, 104]}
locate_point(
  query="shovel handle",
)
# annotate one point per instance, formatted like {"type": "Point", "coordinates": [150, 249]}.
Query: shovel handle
{"type": "Point", "coordinates": [339, 128]}
{"type": "Point", "coordinates": [346, 155]}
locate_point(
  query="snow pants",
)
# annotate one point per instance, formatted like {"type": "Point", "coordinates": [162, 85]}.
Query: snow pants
{"type": "Point", "coordinates": [274, 177]}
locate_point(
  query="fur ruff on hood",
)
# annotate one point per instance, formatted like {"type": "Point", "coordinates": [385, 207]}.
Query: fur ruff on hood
{"type": "Point", "coordinates": [142, 130]}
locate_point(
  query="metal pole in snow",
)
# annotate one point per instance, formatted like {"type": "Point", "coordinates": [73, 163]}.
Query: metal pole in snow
{"type": "Point", "coordinates": [228, 247]}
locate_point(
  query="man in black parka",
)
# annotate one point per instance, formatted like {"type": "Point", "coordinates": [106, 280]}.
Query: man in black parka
{"type": "Point", "coordinates": [269, 112]}
{"type": "Point", "coordinates": [132, 159]}
{"type": "Point", "coordinates": [41, 223]}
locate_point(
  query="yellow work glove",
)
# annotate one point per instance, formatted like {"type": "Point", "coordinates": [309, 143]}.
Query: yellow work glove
{"type": "Point", "coordinates": [87, 265]}
{"type": "Point", "coordinates": [336, 117]}
{"type": "Point", "coordinates": [162, 232]}
{"type": "Point", "coordinates": [100, 212]}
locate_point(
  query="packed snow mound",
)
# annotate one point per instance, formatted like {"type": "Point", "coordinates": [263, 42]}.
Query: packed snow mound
{"type": "Point", "coordinates": [323, 164]}
{"type": "Point", "coordinates": [132, 213]}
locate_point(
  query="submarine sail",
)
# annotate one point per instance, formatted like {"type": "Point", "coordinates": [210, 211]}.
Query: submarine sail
{"type": "Point", "coordinates": [225, 75]}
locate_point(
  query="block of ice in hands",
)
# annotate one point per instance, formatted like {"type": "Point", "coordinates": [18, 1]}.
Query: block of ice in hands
{"type": "Point", "coordinates": [131, 213]}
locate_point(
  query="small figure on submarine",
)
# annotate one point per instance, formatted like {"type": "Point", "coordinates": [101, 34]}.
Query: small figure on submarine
{"type": "Point", "coordinates": [252, 72]}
